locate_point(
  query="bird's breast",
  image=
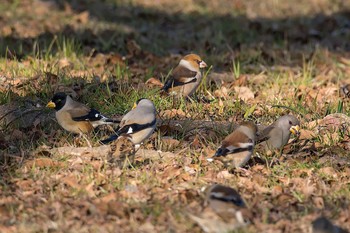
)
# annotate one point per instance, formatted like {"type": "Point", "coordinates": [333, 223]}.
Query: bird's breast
{"type": "Point", "coordinates": [64, 119]}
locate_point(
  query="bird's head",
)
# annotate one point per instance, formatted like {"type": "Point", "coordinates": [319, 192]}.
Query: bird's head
{"type": "Point", "coordinates": [194, 61]}
{"type": "Point", "coordinates": [290, 123]}
{"type": "Point", "coordinates": [58, 101]}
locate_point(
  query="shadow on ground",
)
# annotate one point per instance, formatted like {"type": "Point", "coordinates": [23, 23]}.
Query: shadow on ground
{"type": "Point", "coordinates": [106, 28]}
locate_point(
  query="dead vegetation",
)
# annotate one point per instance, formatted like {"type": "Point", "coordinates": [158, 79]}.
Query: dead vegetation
{"type": "Point", "coordinates": [267, 58]}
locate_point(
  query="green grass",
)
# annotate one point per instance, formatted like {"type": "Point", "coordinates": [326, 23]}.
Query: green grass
{"type": "Point", "coordinates": [293, 79]}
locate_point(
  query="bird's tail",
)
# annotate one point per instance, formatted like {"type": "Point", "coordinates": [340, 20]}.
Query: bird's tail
{"type": "Point", "coordinates": [110, 139]}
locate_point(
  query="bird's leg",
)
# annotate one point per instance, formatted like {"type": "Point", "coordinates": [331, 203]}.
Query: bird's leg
{"type": "Point", "coordinates": [276, 155]}
{"type": "Point", "coordinates": [131, 154]}
{"type": "Point", "coordinates": [282, 157]}
{"type": "Point", "coordinates": [134, 151]}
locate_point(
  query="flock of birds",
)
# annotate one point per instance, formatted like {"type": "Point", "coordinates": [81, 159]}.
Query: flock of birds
{"type": "Point", "coordinates": [139, 123]}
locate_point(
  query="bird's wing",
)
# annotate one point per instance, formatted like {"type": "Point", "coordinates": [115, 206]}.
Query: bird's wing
{"type": "Point", "coordinates": [179, 77]}
{"type": "Point", "coordinates": [238, 139]}
{"type": "Point", "coordinates": [226, 194]}
{"type": "Point", "coordinates": [235, 143]}
{"type": "Point", "coordinates": [79, 112]}
{"type": "Point", "coordinates": [265, 134]}
{"type": "Point", "coordinates": [128, 129]}
{"type": "Point", "coordinates": [131, 128]}
{"type": "Point", "coordinates": [93, 115]}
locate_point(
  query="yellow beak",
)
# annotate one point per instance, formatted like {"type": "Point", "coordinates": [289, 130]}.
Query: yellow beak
{"type": "Point", "coordinates": [295, 129]}
{"type": "Point", "coordinates": [135, 105]}
{"type": "Point", "coordinates": [51, 105]}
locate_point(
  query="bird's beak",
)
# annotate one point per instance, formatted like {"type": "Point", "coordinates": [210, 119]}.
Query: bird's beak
{"type": "Point", "coordinates": [202, 64]}
{"type": "Point", "coordinates": [295, 130]}
{"type": "Point", "coordinates": [51, 105]}
{"type": "Point", "coordinates": [134, 106]}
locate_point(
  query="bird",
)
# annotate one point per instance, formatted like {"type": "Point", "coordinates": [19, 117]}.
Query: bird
{"type": "Point", "coordinates": [186, 76]}
{"type": "Point", "coordinates": [76, 117]}
{"type": "Point", "coordinates": [238, 147]}
{"type": "Point", "coordinates": [277, 135]}
{"type": "Point", "coordinates": [221, 198]}
{"type": "Point", "coordinates": [224, 210]}
{"type": "Point", "coordinates": [345, 90]}
{"type": "Point", "coordinates": [138, 124]}
{"type": "Point", "coordinates": [323, 225]}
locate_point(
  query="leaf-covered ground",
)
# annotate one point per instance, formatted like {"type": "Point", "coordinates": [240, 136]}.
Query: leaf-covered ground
{"type": "Point", "coordinates": [266, 59]}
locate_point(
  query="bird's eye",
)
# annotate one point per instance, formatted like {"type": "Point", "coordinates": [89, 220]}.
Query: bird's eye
{"type": "Point", "coordinates": [198, 61]}
{"type": "Point", "coordinates": [290, 123]}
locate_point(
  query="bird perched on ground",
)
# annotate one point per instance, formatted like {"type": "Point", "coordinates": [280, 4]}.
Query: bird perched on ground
{"type": "Point", "coordinates": [138, 124]}
{"type": "Point", "coordinates": [225, 201]}
{"type": "Point", "coordinates": [277, 135]}
{"type": "Point", "coordinates": [186, 77]}
{"type": "Point", "coordinates": [76, 117]}
{"type": "Point", "coordinates": [238, 147]}
{"type": "Point", "coordinates": [225, 210]}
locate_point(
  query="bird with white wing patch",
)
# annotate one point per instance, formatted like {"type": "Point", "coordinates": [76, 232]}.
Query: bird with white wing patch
{"type": "Point", "coordinates": [76, 117]}
{"type": "Point", "coordinates": [138, 124]}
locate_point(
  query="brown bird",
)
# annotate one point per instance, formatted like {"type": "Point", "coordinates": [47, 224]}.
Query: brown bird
{"type": "Point", "coordinates": [238, 147]}
{"type": "Point", "coordinates": [76, 117]}
{"type": "Point", "coordinates": [225, 210]}
{"type": "Point", "coordinates": [227, 203]}
{"type": "Point", "coordinates": [186, 77]}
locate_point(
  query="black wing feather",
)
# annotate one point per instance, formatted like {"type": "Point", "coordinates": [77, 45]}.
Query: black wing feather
{"type": "Point", "coordinates": [171, 82]}
{"type": "Point", "coordinates": [224, 151]}
{"type": "Point", "coordinates": [235, 199]}
{"type": "Point", "coordinates": [179, 72]}
{"type": "Point", "coordinates": [94, 115]}
{"type": "Point", "coordinates": [125, 129]}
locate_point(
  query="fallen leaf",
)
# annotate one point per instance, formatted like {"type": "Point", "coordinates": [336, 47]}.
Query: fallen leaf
{"type": "Point", "coordinates": [43, 162]}
{"type": "Point", "coordinates": [169, 143]}
{"type": "Point", "coordinates": [306, 134]}
{"type": "Point", "coordinates": [244, 93]}
{"type": "Point", "coordinates": [153, 82]}
{"type": "Point", "coordinates": [318, 202]}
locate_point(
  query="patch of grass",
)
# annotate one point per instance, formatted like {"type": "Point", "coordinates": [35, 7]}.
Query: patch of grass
{"type": "Point", "coordinates": [91, 58]}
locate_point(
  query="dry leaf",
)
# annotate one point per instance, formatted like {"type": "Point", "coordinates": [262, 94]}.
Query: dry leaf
{"type": "Point", "coordinates": [43, 162]}
{"type": "Point", "coordinates": [153, 82]}
{"type": "Point", "coordinates": [244, 93]}
{"type": "Point", "coordinates": [318, 202]}
{"type": "Point", "coordinates": [169, 143]}
{"type": "Point", "coordinates": [306, 134]}
{"type": "Point", "coordinates": [221, 93]}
